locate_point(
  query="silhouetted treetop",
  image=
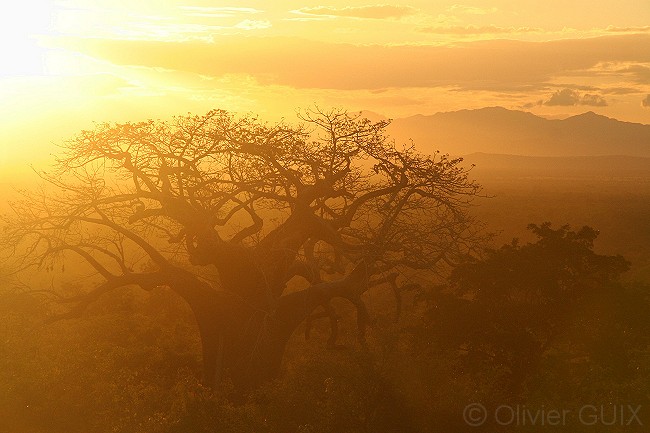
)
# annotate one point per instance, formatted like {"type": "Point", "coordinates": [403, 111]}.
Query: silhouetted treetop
{"type": "Point", "coordinates": [330, 200]}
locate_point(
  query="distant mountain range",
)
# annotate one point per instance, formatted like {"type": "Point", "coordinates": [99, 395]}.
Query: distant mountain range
{"type": "Point", "coordinates": [496, 130]}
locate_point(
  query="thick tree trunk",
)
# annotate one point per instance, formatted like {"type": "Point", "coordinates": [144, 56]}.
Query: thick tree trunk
{"type": "Point", "coordinates": [245, 333]}
{"type": "Point", "coordinates": [247, 345]}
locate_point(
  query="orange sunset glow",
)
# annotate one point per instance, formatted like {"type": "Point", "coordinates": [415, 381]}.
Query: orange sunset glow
{"type": "Point", "coordinates": [68, 63]}
{"type": "Point", "coordinates": [344, 216]}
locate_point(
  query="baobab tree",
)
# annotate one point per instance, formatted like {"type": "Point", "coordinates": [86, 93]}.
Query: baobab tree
{"type": "Point", "coordinates": [286, 217]}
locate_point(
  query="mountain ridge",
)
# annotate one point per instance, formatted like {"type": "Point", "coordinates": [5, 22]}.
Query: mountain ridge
{"type": "Point", "coordinates": [497, 130]}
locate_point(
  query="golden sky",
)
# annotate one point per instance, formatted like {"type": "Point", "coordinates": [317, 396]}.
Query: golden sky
{"type": "Point", "coordinates": [67, 63]}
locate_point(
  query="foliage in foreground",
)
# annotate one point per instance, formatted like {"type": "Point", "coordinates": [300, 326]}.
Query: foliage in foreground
{"type": "Point", "coordinates": [546, 324]}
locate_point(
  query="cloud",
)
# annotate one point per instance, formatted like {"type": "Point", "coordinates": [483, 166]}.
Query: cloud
{"type": "Point", "coordinates": [216, 12]}
{"type": "Point", "coordinates": [640, 73]}
{"type": "Point", "coordinates": [619, 91]}
{"type": "Point", "coordinates": [570, 97]}
{"type": "Point", "coordinates": [471, 10]}
{"type": "Point", "coordinates": [370, 11]}
{"type": "Point", "coordinates": [501, 87]}
{"type": "Point", "coordinates": [593, 100]}
{"type": "Point", "coordinates": [564, 97]}
{"type": "Point", "coordinates": [646, 101]}
{"type": "Point", "coordinates": [532, 104]}
{"type": "Point", "coordinates": [300, 63]}
{"type": "Point", "coordinates": [253, 24]}
{"type": "Point", "coordinates": [615, 29]}
{"type": "Point", "coordinates": [167, 24]}
{"type": "Point", "coordinates": [476, 30]}
{"type": "Point", "coordinates": [578, 87]}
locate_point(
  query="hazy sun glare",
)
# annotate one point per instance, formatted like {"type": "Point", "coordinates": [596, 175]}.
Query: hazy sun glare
{"type": "Point", "coordinates": [67, 63]}
{"type": "Point", "coordinates": [21, 23]}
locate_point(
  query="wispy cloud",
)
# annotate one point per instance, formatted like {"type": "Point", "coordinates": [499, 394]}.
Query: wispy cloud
{"type": "Point", "coordinates": [619, 91]}
{"type": "Point", "coordinates": [217, 11]}
{"type": "Point", "coordinates": [253, 24]}
{"type": "Point", "coordinates": [368, 12]}
{"type": "Point", "coordinates": [615, 29]}
{"type": "Point", "coordinates": [639, 72]}
{"type": "Point", "coordinates": [471, 10]}
{"type": "Point", "coordinates": [633, 72]}
{"type": "Point", "coordinates": [306, 18]}
{"type": "Point", "coordinates": [492, 64]}
{"type": "Point", "coordinates": [170, 24]}
{"type": "Point", "coordinates": [476, 30]}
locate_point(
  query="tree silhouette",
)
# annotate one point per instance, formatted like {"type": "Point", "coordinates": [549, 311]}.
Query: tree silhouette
{"type": "Point", "coordinates": [514, 306]}
{"type": "Point", "coordinates": [255, 226]}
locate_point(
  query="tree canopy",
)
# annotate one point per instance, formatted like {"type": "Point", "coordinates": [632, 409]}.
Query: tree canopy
{"type": "Point", "coordinates": [255, 225]}
{"type": "Point", "coordinates": [519, 303]}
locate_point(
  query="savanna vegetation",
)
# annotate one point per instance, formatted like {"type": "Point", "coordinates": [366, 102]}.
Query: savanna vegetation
{"type": "Point", "coordinates": [216, 273]}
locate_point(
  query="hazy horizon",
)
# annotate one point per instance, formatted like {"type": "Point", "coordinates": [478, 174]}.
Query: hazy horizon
{"type": "Point", "coordinates": [69, 63]}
